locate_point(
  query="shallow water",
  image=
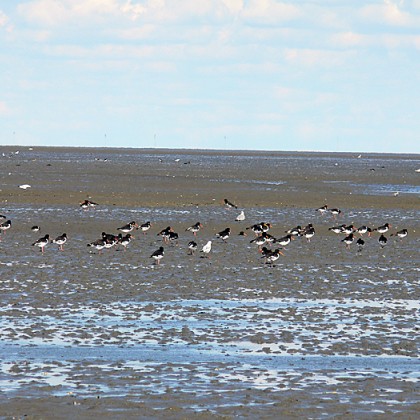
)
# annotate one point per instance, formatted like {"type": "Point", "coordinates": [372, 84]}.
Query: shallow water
{"type": "Point", "coordinates": [326, 330]}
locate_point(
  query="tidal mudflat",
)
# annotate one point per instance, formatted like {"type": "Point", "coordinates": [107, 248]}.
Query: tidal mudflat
{"type": "Point", "coordinates": [325, 331]}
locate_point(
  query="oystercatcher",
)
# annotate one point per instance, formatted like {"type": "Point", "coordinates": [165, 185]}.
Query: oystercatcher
{"type": "Point", "coordinates": [382, 229]}
{"type": "Point", "coordinates": [382, 240]}
{"type": "Point", "coordinates": [42, 242]}
{"type": "Point", "coordinates": [285, 240]}
{"type": "Point", "coordinates": [360, 244]}
{"type": "Point", "coordinates": [125, 240]}
{"type": "Point", "coordinates": [364, 229]}
{"type": "Point", "coordinates": [5, 226]}
{"type": "Point", "coordinates": [229, 204]}
{"type": "Point", "coordinates": [401, 234]}
{"type": "Point", "coordinates": [348, 240]}
{"type": "Point", "coordinates": [145, 227]}
{"type": "Point", "coordinates": [99, 244]}
{"type": "Point", "coordinates": [158, 255]}
{"type": "Point", "coordinates": [194, 228]}
{"type": "Point", "coordinates": [129, 227]}
{"type": "Point", "coordinates": [87, 204]}
{"type": "Point", "coordinates": [335, 212]}
{"type": "Point", "coordinates": [60, 241]}
{"type": "Point", "coordinates": [224, 234]}
{"type": "Point", "coordinates": [192, 246]}
{"type": "Point", "coordinates": [273, 256]}
{"type": "Point", "coordinates": [322, 209]}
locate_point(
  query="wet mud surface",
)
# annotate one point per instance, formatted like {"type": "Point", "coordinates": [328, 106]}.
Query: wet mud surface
{"type": "Point", "coordinates": [324, 332]}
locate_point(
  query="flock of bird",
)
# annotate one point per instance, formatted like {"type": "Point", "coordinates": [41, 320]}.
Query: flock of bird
{"type": "Point", "coordinates": [263, 239]}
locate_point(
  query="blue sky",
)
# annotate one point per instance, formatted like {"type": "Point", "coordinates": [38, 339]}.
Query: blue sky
{"type": "Point", "coordinates": [222, 74]}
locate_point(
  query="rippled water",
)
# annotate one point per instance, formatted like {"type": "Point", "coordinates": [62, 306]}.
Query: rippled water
{"type": "Point", "coordinates": [324, 319]}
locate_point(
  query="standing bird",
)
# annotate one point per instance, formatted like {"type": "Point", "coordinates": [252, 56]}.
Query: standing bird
{"type": "Point", "coordinates": [192, 247]}
{"type": "Point", "coordinates": [382, 229]}
{"type": "Point", "coordinates": [5, 226]}
{"type": "Point", "coordinates": [224, 234]}
{"type": "Point", "coordinates": [42, 242]}
{"type": "Point", "coordinates": [360, 244]}
{"type": "Point", "coordinates": [125, 240]}
{"type": "Point", "coordinates": [60, 241]}
{"type": "Point", "coordinates": [194, 228]}
{"type": "Point", "coordinates": [206, 249]}
{"type": "Point", "coordinates": [348, 240]}
{"type": "Point", "coordinates": [145, 227]}
{"type": "Point", "coordinates": [364, 229]}
{"type": "Point", "coordinates": [87, 204]}
{"type": "Point", "coordinates": [322, 209]}
{"type": "Point", "coordinates": [158, 255]}
{"type": "Point", "coordinates": [229, 204]}
{"type": "Point", "coordinates": [335, 212]}
{"type": "Point", "coordinates": [128, 227]}
{"type": "Point", "coordinates": [240, 217]}
{"type": "Point", "coordinates": [273, 256]}
{"type": "Point", "coordinates": [99, 244]}
{"type": "Point", "coordinates": [401, 234]}
{"type": "Point", "coordinates": [382, 240]}
{"type": "Point", "coordinates": [308, 232]}
{"type": "Point", "coordinates": [165, 234]}
{"type": "Point", "coordinates": [285, 240]}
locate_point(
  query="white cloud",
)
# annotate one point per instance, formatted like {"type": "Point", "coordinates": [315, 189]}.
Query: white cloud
{"type": "Point", "coordinates": [270, 11]}
{"type": "Point", "coordinates": [5, 111]}
{"type": "Point", "coordinates": [390, 13]}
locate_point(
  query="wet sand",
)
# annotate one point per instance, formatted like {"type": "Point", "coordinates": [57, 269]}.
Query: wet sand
{"type": "Point", "coordinates": [325, 332]}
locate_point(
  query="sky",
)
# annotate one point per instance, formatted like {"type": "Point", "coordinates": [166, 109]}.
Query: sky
{"type": "Point", "coordinates": [318, 75]}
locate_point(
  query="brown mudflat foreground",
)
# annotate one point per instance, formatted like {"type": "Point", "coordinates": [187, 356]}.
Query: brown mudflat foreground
{"type": "Point", "coordinates": [325, 331]}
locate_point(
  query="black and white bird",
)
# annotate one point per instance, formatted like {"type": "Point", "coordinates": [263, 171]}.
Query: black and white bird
{"type": "Point", "coordinates": [382, 240]}
{"type": "Point", "coordinates": [364, 229]}
{"type": "Point", "coordinates": [224, 234]}
{"type": "Point", "coordinates": [348, 240]}
{"type": "Point", "coordinates": [129, 227]}
{"type": "Point", "coordinates": [229, 204]}
{"type": "Point", "coordinates": [35, 228]}
{"type": "Point", "coordinates": [401, 234]}
{"type": "Point", "coordinates": [60, 241]}
{"type": "Point", "coordinates": [273, 256]}
{"type": "Point", "coordinates": [382, 229]}
{"type": "Point", "coordinates": [360, 244]}
{"type": "Point", "coordinates": [99, 244]}
{"type": "Point", "coordinates": [87, 204]}
{"type": "Point", "coordinates": [5, 226]}
{"type": "Point", "coordinates": [194, 228]}
{"type": "Point", "coordinates": [42, 242]}
{"type": "Point", "coordinates": [322, 209]}
{"type": "Point", "coordinates": [145, 227]}
{"type": "Point", "coordinates": [158, 255]}
{"type": "Point", "coordinates": [335, 212]}
{"type": "Point", "coordinates": [285, 240]}
{"type": "Point", "coordinates": [192, 247]}
{"type": "Point", "coordinates": [125, 240]}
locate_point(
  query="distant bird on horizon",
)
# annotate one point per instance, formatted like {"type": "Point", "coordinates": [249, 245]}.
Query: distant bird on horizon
{"type": "Point", "coordinates": [87, 204]}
